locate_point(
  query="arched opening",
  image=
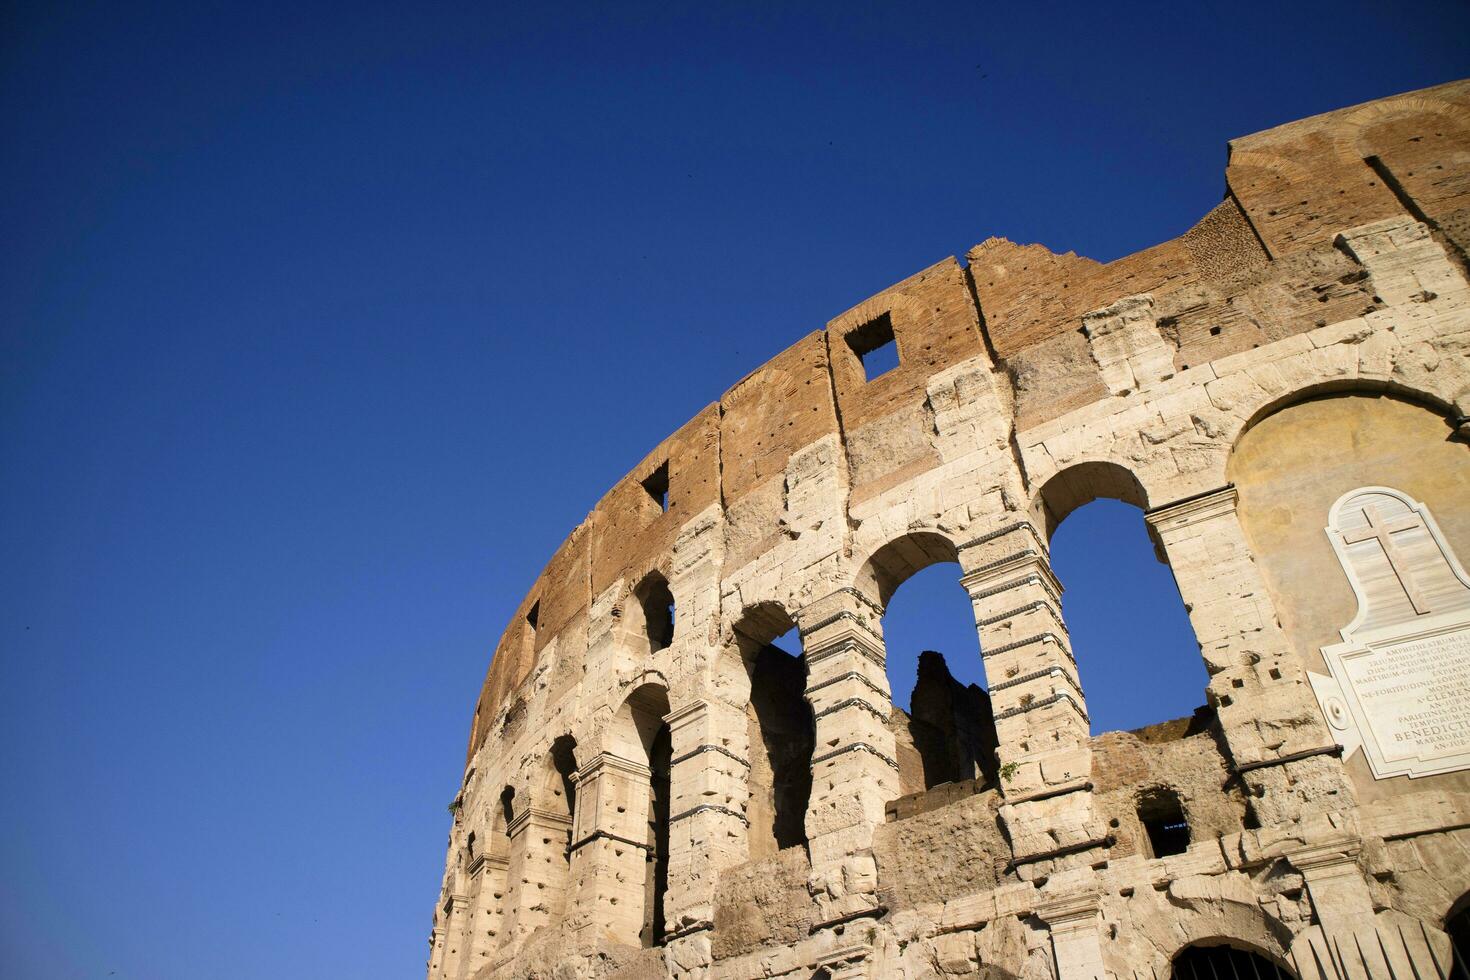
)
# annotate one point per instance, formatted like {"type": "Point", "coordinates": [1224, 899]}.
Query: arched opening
{"type": "Point", "coordinates": [780, 728]}
{"type": "Point", "coordinates": [564, 761]}
{"type": "Point", "coordinates": [1457, 927]}
{"type": "Point", "coordinates": [942, 723]}
{"type": "Point", "coordinates": [1161, 817]}
{"type": "Point", "coordinates": [1217, 961]}
{"type": "Point", "coordinates": [655, 605]}
{"type": "Point", "coordinates": [1137, 656]}
{"type": "Point", "coordinates": [642, 736]}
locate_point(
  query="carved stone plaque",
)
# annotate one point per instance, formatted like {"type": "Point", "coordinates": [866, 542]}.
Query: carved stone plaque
{"type": "Point", "coordinates": [1400, 679]}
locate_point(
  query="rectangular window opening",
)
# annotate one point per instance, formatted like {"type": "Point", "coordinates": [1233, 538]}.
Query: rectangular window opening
{"type": "Point", "coordinates": [534, 614]}
{"type": "Point", "coordinates": [875, 347]}
{"type": "Point", "coordinates": [657, 485]}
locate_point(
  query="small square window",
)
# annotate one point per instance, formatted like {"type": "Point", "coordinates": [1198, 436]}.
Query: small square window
{"type": "Point", "coordinates": [657, 485]}
{"type": "Point", "coordinates": [875, 347]}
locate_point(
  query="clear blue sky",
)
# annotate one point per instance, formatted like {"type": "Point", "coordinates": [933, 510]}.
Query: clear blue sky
{"type": "Point", "coordinates": [321, 325]}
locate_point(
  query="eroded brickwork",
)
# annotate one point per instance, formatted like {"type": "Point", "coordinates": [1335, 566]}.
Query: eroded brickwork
{"type": "Point", "coordinates": [704, 805]}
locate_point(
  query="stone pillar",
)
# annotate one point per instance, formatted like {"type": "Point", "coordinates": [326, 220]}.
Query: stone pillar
{"type": "Point", "coordinates": [853, 769]}
{"type": "Point", "coordinates": [1350, 941]}
{"type": "Point", "coordinates": [1277, 738]}
{"type": "Point", "coordinates": [610, 849]}
{"type": "Point", "coordinates": [456, 933]}
{"type": "Point", "coordinates": [854, 772]}
{"type": "Point", "coordinates": [1075, 942]}
{"type": "Point", "coordinates": [436, 953]}
{"type": "Point", "coordinates": [486, 924]}
{"type": "Point", "coordinates": [537, 869]}
{"type": "Point", "coordinates": [1041, 719]}
{"type": "Point", "coordinates": [707, 797]}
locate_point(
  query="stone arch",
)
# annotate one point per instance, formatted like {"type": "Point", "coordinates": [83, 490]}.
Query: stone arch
{"type": "Point", "coordinates": [1080, 484]}
{"type": "Point", "coordinates": [1360, 436]}
{"type": "Point", "coordinates": [897, 560]}
{"type": "Point", "coordinates": [649, 619]}
{"type": "Point", "coordinates": [1255, 413]}
{"type": "Point", "coordinates": [639, 734]}
{"type": "Point", "coordinates": [1068, 491]}
{"type": "Point", "coordinates": [770, 683]}
{"type": "Point", "coordinates": [1210, 958]}
{"type": "Point", "coordinates": [947, 734]}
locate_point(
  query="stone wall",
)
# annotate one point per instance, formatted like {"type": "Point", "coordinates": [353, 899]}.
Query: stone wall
{"type": "Point", "coordinates": [1310, 335]}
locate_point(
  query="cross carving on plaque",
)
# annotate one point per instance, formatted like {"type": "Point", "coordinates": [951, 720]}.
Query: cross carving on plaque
{"type": "Point", "coordinates": [1382, 530]}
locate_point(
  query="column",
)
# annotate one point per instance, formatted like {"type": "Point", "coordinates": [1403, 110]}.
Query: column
{"type": "Point", "coordinates": [456, 916]}
{"type": "Point", "coordinates": [436, 952]}
{"type": "Point", "coordinates": [610, 849]}
{"type": "Point", "coordinates": [707, 799]}
{"type": "Point", "coordinates": [1075, 942]}
{"type": "Point", "coordinates": [854, 772]}
{"type": "Point", "coordinates": [1273, 728]}
{"type": "Point", "coordinates": [1350, 941]}
{"type": "Point", "coordinates": [1041, 718]}
{"type": "Point", "coordinates": [537, 869]}
{"type": "Point", "coordinates": [486, 925]}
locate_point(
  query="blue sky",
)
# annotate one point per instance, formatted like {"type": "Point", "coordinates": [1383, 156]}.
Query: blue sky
{"type": "Point", "coordinates": [322, 324]}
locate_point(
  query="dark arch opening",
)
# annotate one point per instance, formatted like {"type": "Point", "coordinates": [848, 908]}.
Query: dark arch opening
{"type": "Point", "coordinates": [656, 602]}
{"type": "Point", "coordinates": [781, 730]}
{"type": "Point", "coordinates": [1457, 927]}
{"type": "Point", "coordinates": [563, 784]}
{"type": "Point", "coordinates": [942, 723]}
{"type": "Point", "coordinates": [1162, 820]}
{"type": "Point", "coordinates": [646, 708]}
{"type": "Point", "coordinates": [507, 807]}
{"type": "Point", "coordinates": [1202, 961]}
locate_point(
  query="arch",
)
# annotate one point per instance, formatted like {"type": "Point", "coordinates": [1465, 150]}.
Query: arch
{"type": "Point", "coordinates": [898, 560]}
{"type": "Point", "coordinates": [1082, 483]}
{"type": "Point", "coordinates": [780, 729]}
{"type": "Point", "coordinates": [1220, 958]}
{"type": "Point", "coordinates": [640, 734]}
{"type": "Point", "coordinates": [653, 623]}
{"type": "Point", "coordinates": [1103, 560]}
{"type": "Point", "coordinates": [1457, 927]}
{"type": "Point", "coordinates": [563, 763]}
{"type": "Point", "coordinates": [1360, 437]}
{"type": "Point", "coordinates": [1427, 400]}
{"type": "Point", "coordinates": [944, 732]}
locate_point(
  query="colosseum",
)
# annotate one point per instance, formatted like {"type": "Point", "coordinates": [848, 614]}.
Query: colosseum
{"type": "Point", "coordinates": [654, 787]}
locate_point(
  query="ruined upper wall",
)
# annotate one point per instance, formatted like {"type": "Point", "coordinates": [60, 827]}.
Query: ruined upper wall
{"type": "Point", "coordinates": [1260, 266]}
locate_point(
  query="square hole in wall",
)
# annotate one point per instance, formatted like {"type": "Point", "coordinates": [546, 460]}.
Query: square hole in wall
{"type": "Point", "coordinates": [657, 485]}
{"type": "Point", "coordinates": [875, 347]}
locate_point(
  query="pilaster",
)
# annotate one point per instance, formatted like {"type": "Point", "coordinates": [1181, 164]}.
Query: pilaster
{"type": "Point", "coordinates": [1041, 718]}
{"type": "Point", "coordinates": [708, 790]}
{"type": "Point", "coordinates": [610, 849]}
{"type": "Point", "coordinates": [1075, 942]}
{"type": "Point", "coordinates": [1272, 725]}
{"type": "Point", "coordinates": [456, 938]}
{"type": "Point", "coordinates": [854, 772]}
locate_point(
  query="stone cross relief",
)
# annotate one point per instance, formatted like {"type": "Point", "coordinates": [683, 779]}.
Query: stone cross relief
{"type": "Point", "coordinates": [1399, 682]}
{"type": "Point", "coordinates": [1382, 529]}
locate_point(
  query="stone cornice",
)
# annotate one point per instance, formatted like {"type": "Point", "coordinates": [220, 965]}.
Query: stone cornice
{"type": "Point", "coordinates": [1193, 510]}
{"type": "Point", "coordinates": [606, 761]}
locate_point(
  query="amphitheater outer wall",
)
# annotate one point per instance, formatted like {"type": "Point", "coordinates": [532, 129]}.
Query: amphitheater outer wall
{"type": "Point", "coordinates": [1029, 383]}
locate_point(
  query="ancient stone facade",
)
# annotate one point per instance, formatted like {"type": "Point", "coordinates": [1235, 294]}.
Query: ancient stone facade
{"type": "Point", "coordinates": [654, 789]}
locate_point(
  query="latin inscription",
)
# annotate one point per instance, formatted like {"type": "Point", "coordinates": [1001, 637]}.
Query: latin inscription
{"type": "Point", "coordinates": [1416, 696]}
